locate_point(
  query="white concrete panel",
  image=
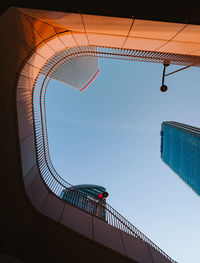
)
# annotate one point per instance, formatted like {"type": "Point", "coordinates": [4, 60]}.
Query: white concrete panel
{"type": "Point", "coordinates": [23, 95]}
{"type": "Point", "coordinates": [136, 248]}
{"type": "Point", "coordinates": [55, 44]}
{"type": "Point", "coordinates": [40, 197]}
{"type": "Point", "coordinates": [107, 235]}
{"type": "Point", "coordinates": [196, 53]}
{"type": "Point", "coordinates": [37, 60]}
{"type": "Point", "coordinates": [23, 89]}
{"type": "Point", "coordinates": [28, 155]}
{"type": "Point", "coordinates": [30, 71]}
{"type": "Point", "coordinates": [143, 44]}
{"type": "Point", "coordinates": [53, 207]}
{"type": "Point", "coordinates": [106, 40]}
{"type": "Point", "coordinates": [62, 19]}
{"type": "Point", "coordinates": [77, 220]}
{"type": "Point", "coordinates": [158, 257]}
{"type": "Point", "coordinates": [155, 29]}
{"type": "Point", "coordinates": [178, 47]}
{"type": "Point", "coordinates": [45, 51]}
{"type": "Point", "coordinates": [81, 39]}
{"type": "Point", "coordinates": [31, 84]}
{"type": "Point", "coordinates": [107, 25]}
{"type": "Point", "coordinates": [68, 40]}
{"type": "Point", "coordinates": [28, 179]}
{"type": "Point", "coordinates": [34, 187]}
{"type": "Point", "coordinates": [65, 20]}
{"type": "Point", "coordinates": [191, 33]}
{"type": "Point", "coordinates": [25, 118]}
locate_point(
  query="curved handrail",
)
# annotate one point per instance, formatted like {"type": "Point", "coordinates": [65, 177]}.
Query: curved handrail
{"type": "Point", "coordinates": [55, 183]}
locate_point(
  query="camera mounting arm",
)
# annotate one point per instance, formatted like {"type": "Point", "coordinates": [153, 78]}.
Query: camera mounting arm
{"type": "Point", "coordinates": [164, 88]}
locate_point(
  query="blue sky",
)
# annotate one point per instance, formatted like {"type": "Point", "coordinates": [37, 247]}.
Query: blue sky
{"type": "Point", "coordinates": [109, 135]}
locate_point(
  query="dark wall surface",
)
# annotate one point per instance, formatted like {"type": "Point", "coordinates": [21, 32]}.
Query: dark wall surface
{"type": "Point", "coordinates": [171, 11]}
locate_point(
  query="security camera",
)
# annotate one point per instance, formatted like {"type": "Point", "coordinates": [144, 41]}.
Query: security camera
{"type": "Point", "coordinates": [163, 88]}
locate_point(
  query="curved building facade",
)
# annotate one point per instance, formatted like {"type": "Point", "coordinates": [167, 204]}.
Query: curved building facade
{"type": "Point", "coordinates": [36, 46]}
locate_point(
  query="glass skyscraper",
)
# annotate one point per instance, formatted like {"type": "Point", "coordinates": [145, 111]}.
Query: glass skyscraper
{"type": "Point", "coordinates": [180, 150]}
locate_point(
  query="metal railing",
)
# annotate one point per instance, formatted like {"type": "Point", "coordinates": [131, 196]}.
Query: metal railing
{"type": "Point", "coordinates": [55, 183]}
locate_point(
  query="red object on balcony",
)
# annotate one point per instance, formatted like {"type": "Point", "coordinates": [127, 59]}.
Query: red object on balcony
{"type": "Point", "coordinates": [100, 195]}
